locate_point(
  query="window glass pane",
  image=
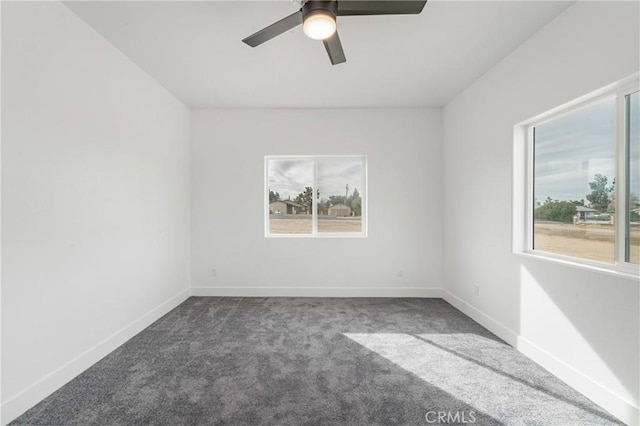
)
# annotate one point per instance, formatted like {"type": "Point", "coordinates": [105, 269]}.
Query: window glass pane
{"type": "Point", "coordinates": [574, 178]}
{"type": "Point", "coordinates": [289, 186]}
{"type": "Point", "coordinates": [340, 192]}
{"type": "Point", "coordinates": [633, 164]}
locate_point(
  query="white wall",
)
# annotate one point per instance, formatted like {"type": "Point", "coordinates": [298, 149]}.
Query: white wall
{"type": "Point", "coordinates": [95, 200]}
{"type": "Point", "coordinates": [95, 204]}
{"type": "Point", "coordinates": [581, 325]}
{"type": "Point", "coordinates": [403, 149]}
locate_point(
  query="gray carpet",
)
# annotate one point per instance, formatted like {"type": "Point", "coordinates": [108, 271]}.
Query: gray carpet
{"type": "Point", "coordinates": [302, 361]}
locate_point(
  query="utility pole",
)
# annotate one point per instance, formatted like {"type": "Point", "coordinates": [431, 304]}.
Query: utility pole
{"type": "Point", "coordinates": [346, 194]}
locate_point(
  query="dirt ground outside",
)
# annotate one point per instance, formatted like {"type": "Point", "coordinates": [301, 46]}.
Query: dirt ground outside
{"type": "Point", "coordinates": [301, 224]}
{"type": "Point", "coordinates": [587, 241]}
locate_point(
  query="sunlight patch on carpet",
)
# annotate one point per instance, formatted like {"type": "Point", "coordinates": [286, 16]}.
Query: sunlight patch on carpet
{"type": "Point", "coordinates": [467, 366]}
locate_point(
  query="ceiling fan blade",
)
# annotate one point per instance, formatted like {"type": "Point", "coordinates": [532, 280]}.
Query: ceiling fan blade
{"type": "Point", "coordinates": [334, 49]}
{"type": "Point", "coordinates": [273, 30]}
{"type": "Point", "coordinates": [379, 7]}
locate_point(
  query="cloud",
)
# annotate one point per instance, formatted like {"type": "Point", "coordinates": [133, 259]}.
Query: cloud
{"type": "Point", "coordinates": [290, 177]}
{"type": "Point", "coordinates": [333, 178]}
{"type": "Point", "coordinates": [572, 149]}
{"type": "Point", "coordinates": [634, 136]}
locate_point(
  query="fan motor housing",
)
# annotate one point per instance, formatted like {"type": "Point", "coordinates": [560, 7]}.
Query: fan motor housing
{"type": "Point", "coordinates": [314, 6]}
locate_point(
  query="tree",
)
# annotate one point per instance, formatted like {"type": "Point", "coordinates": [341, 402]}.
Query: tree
{"type": "Point", "coordinates": [306, 198]}
{"type": "Point", "coordinates": [634, 203]}
{"type": "Point", "coordinates": [273, 196]}
{"type": "Point", "coordinates": [599, 197]}
{"type": "Point", "coordinates": [356, 203]}
{"type": "Point", "coordinates": [557, 211]}
{"type": "Point", "coordinates": [336, 199]}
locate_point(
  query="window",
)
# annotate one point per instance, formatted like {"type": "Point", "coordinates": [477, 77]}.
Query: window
{"type": "Point", "coordinates": [319, 196]}
{"type": "Point", "coordinates": [573, 181]}
{"type": "Point", "coordinates": [632, 178]}
{"type": "Point", "coordinates": [582, 180]}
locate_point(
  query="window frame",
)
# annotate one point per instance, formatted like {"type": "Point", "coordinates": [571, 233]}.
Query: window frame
{"type": "Point", "coordinates": [314, 217]}
{"type": "Point", "coordinates": [523, 179]}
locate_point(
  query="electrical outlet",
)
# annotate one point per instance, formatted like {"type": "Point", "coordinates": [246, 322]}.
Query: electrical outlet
{"type": "Point", "coordinates": [214, 273]}
{"type": "Point", "coordinates": [476, 289]}
{"type": "Point", "coordinates": [400, 273]}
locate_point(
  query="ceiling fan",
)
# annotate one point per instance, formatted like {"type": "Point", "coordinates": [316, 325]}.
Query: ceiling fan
{"type": "Point", "coordinates": [318, 19]}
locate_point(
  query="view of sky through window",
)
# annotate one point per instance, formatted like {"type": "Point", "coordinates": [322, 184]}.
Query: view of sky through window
{"type": "Point", "coordinates": [290, 177]}
{"type": "Point", "coordinates": [572, 149]}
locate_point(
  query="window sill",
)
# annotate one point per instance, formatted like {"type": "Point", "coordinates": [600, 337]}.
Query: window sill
{"type": "Point", "coordinates": [628, 275]}
{"type": "Point", "coordinates": [312, 236]}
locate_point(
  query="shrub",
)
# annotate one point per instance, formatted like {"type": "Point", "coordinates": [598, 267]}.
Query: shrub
{"type": "Point", "coordinates": [556, 211]}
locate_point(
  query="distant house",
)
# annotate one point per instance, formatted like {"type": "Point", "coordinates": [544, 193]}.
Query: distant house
{"type": "Point", "coordinates": [583, 212]}
{"type": "Point", "coordinates": [286, 207]}
{"type": "Point", "coordinates": [323, 209]}
{"type": "Point", "coordinates": [339, 210]}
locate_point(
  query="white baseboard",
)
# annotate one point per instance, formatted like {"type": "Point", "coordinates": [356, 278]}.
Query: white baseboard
{"type": "Point", "coordinates": [21, 402]}
{"type": "Point", "coordinates": [601, 395]}
{"type": "Point", "coordinates": [619, 407]}
{"type": "Point", "coordinates": [496, 327]}
{"type": "Point", "coordinates": [317, 292]}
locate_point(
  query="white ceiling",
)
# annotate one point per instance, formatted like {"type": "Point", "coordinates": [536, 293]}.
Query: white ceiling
{"type": "Point", "coordinates": [194, 49]}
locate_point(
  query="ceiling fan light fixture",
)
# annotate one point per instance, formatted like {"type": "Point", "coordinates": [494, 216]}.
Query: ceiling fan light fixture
{"type": "Point", "coordinates": [319, 25]}
{"type": "Point", "coordinates": [318, 19]}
